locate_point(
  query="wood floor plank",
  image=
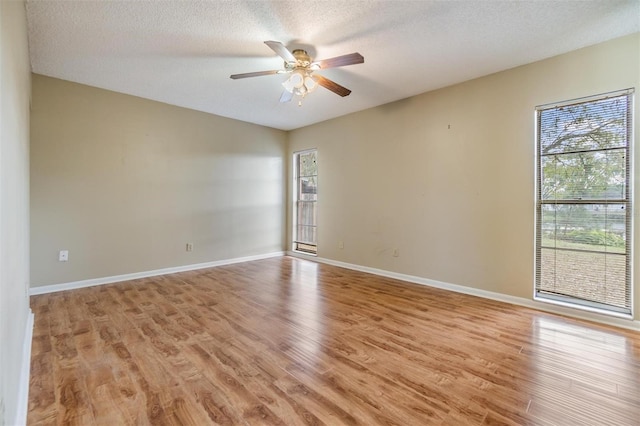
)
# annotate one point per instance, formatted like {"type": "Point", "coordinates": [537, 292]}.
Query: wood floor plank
{"type": "Point", "coordinates": [286, 341]}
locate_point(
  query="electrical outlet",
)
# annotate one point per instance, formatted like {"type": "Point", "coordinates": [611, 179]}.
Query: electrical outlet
{"type": "Point", "coordinates": [189, 247]}
{"type": "Point", "coordinates": [341, 244]}
{"type": "Point", "coordinates": [63, 256]}
{"type": "Point", "coordinates": [396, 252]}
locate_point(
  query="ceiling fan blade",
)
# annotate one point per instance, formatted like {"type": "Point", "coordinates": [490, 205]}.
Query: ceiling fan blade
{"type": "Point", "coordinates": [332, 85]}
{"type": "Point", "coordinates": [338, 61]}
{"type": "Point", "coordinates": [255, 74]}
{"type": "Point", "coordinates": [286, 96]}
{"type": "Point", "coordinates": [281, 50]}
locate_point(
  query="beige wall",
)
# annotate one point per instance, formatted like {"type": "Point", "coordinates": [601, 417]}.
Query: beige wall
{"type": "Point", "coordinates": [447, 177]}
{"type": "Point", "coordinates": [15, 87]}
{"type": "Point", "coordinates": [125, 183]}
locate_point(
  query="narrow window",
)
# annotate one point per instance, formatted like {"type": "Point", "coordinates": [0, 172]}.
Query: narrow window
{"type": "Point", "coordinates": [305, 201]}
{"type": "Point", "coordinates": [583, 213]}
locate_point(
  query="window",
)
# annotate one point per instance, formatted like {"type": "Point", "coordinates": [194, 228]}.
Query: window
{"type": "Point", "coordinates": [305, 199]}
{"type": "Point", "coordinates": [583, 217]}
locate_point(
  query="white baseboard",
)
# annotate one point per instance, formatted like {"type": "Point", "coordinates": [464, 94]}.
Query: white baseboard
{"type": "Point", "coordinates": [25, 371]}
{"type": "Point", "coordinates": [529, 303]}
{"type": "Point", "coordinates": [126, 277]}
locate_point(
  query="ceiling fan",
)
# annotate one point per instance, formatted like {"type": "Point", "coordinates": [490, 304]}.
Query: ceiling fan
{"type": "Point", "coordinates": [301, 67]}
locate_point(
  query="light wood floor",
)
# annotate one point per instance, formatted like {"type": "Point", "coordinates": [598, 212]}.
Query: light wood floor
{"type": "Point", "coordinates": [287, 341]}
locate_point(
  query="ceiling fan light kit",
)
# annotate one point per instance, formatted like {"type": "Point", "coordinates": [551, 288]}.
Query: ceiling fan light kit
{"type": "Point", "coordinates": [300, 83]}
{"type": "Point", "coordinates": [301, 67]}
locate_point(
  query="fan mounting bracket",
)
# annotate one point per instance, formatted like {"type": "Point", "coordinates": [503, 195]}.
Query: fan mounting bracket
{"type": "Point", "coordinates": [303, 60]}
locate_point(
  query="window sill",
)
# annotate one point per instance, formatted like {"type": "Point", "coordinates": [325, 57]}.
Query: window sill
{"type": "Point", "coordinates": [591, 309]}
{"type": "Point", "coordinates": [305, 253]}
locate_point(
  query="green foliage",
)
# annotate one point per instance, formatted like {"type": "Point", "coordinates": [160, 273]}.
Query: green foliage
{"type": "Point", "coordinates": [308, 165]}
{"type": "Point", "coordinates": [593, 237]}
{"type": "Point", "coordinates": [583, 150]}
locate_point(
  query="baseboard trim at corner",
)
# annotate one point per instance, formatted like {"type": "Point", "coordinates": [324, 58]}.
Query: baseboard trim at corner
{"type": "Point", "coordinates": [25, 372]}
{"type": "Point", "coordinates": [500, 297]}
{"type": "Point", "coordinates": [136, 275]}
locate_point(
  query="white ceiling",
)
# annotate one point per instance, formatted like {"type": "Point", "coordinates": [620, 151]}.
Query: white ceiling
{"type": "Point", "coordinates": [182, 52]}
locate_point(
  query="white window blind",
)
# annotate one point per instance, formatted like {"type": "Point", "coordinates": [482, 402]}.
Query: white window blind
{"type": "Point", "coordinates": [583, 217]}
{"type": "Point", "coordinates": [306, 197]}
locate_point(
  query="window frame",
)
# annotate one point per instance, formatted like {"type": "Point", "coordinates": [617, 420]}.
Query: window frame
{"type": "Point", "coordinates": [574, 301]}
{"type": "Point", "coordinates": [303, 247]}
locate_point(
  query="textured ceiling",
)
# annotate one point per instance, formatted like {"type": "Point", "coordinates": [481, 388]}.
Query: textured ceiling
{"type": "Point", "coordinates": [182, 52]}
